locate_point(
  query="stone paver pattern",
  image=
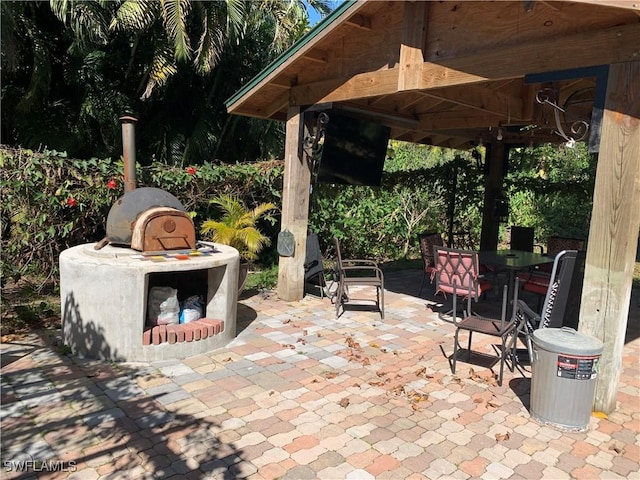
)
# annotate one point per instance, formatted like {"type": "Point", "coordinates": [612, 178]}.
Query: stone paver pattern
{"type": "Point", "coordinates": [301, 395]}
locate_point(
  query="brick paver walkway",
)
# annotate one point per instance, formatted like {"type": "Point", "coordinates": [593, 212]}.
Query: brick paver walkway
{"type": "Point", "coordinates": [300, 395]}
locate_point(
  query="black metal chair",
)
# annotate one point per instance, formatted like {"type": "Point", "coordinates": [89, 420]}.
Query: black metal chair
{"type": "Point", "coordinates": [557, 302]}
{"type": "Point", "coordinates": [427, 241]}
{"type": "Point", "coordinates": [357, 272]}
{"type": "Point", "coordinates": [522, 239]}
{"type": "Point", "coordinates": [503, 328]}
{"type": "Point", "coordinates": [314, 280]}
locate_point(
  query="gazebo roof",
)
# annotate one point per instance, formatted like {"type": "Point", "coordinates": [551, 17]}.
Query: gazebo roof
{"type": "Point", "coordinates": [454, 73]}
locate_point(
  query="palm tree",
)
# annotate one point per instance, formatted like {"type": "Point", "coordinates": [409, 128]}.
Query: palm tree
{"type": "Point", "coordinates": [171, 63]}
{"type": "Point", "coordinates": [238, 226]}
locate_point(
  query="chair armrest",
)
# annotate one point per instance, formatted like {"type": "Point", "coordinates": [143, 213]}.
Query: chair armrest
{"type": "Point", "coordinates": [363, 268]}
{"type": "Point", "coordinates": [358, 261]}
{"type": "Point", "coordinates": [525, 310]}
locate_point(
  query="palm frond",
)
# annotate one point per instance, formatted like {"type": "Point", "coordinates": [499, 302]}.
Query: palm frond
{"type": "Point", "coordinates": [134, 15]}
{"type": "Point", "coordinates": [162, 68]}
{"type": "Point", "coordinates": [174, 15]}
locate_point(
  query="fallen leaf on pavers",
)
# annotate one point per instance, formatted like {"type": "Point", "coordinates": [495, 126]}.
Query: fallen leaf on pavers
{"type": "Point", "coordinates": [344, 402]}
{"type": "Point", "coordinates": [228, 359]}
{"type": "Point", "coordinates": [330, 375]}
{"type": "Point", "coordinates": [492, 404]}
{"type": "Point", "coordinates": [616, 447]}
{"type": "Point", "coordinates": [288, 345]}
{"type": "Point", "coordinates": [288, 320]}
{"type": "Point", "coordinates": [302, 341]}
{"type": "Point", "coordinates": [421, 371]}
{"type": "Point", "coordinates": [477, 400]}
{"type": "Point", "coordinates": [455, 380]}
{"type": "Point", "coordinates": [380, 373]}
{"type": "Point", "coordinates": [352, 343]}
{"type": "Point", "coordinates": [305, 332]}
{"type": "Point", "coordinates": [502, 437]}
{"type": "Point", "coordinates": [399, 390]}
{"type": "Point", "coordinates": [384, 350]}
{"type": "Point", "coordinates": [599, 415]}
{"type": "Point", "coordinates": [272, 392]}
{"type": "Point", "coordinates": [417, 397]}
{"type": "Point", "coordinates": [376, 384]}
{"type": "Point", "coordinates": [11, 337]}
{"type": "Point", "coordinates": [374, 345]}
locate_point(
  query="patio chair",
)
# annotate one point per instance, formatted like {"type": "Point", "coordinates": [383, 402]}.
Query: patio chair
{"type": "Point", "coordinates": [314, 280]}
{"type": "Point", "coordinates": [558, 298]}
{"type": "Point", "coordinates": [538, 282]}
{"type": "Point", "coordinates": [458, 270]}
{"type": "Point", "coordinates": [427, 241]}
{"type": "Point", "coordinates": [522, 239]}
{"type": "Point", "coordinates": [357, 273]}
{"type": "Point", "coordinates": [501, 327]}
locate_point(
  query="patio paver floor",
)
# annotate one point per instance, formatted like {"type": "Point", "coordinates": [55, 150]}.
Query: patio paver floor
{"type": "Point", "coordinates": [300, 395]}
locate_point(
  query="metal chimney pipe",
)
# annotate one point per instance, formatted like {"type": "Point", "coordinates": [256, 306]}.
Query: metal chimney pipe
{"type": "Point", "coordinates": [129, 152]}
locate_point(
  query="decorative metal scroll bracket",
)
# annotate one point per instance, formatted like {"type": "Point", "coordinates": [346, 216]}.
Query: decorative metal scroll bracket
{"type": "Point", "coordinates": [578, 129]}
{"type": "Point", "coordinates": [313, 143]}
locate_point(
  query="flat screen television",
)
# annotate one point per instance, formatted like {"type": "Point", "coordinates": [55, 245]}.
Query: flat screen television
{"type": "Point", "coordinates": [353, 151]}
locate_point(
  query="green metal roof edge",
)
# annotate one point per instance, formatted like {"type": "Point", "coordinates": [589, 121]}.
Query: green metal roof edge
{"type": "Point", "coordinates": [320, 26]}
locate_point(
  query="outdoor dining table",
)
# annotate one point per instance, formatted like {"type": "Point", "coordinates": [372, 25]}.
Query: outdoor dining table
{"type": "Point", "coordinates": [513, 261]}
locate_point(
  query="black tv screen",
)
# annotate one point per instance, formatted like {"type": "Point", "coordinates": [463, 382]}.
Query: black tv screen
{"type": "Point", "coordinates": [353, 152]}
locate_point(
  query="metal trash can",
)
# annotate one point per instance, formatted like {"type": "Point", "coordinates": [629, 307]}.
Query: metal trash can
{"type": "Point", "coordinates": [563, 377]}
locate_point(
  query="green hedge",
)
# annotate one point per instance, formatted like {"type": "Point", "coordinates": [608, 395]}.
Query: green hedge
{"type": "Point", "coordinates": [51, 202]}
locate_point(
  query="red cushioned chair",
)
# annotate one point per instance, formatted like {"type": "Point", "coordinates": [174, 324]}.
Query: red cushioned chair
{"type": "Point", "coordinates": [457, 271]}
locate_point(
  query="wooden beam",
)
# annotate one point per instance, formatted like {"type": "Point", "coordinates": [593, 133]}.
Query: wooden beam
{"type": "Point", "coordinates": [497, 153]}
{"type": "Point", "coordinates": [612, 45]}
{"type": "Point", "coordinates": [317, 55]}
{"type": "Point", "coordinates": [295, 208]}
{"type": "Point", "coordinates": [583, 49]}
{"type": "Point", "coordinates": [359, 21]}
{"type": "Point", "coordinates": [483, 99]}
{"type": "Point", "coordinates": [613, 234]}
{"type": "Point", "coordinates": [457, 120]}
{"type": "Point", "coordinates": [626, 4]}
{"type": "Point", "coordinates": [411, 49]}
{"type": "Point", "coordinates": [364, 85]}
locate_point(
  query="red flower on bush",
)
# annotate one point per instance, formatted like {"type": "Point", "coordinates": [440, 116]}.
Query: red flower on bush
{"type": "Point", "coordinates": [191, 170]}
{"type": "Point", "coordinates": [72, 202]}
{"type": "Point", "coordinates": [112, 184]}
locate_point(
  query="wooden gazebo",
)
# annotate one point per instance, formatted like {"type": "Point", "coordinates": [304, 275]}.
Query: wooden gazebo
{"type": "Point", "coordinates": [459, 74]}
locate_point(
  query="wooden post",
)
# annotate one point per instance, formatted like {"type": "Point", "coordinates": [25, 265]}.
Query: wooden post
{"type": "Point", "coordinates": [496, 156]}
{"type": "Point", "coordinates": [613, 234]}
{"type": "Point", "coordinates": [295, 208]}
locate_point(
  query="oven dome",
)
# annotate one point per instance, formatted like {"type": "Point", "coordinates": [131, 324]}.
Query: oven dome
{"type": "Point", "coordinates": [128, 208]}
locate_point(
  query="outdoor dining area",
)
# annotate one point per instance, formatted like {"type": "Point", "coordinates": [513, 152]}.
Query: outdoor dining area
{"type": "Point", "coordinates": [301, 394]}
{"type": "Point", "coordinates": [517, 290]}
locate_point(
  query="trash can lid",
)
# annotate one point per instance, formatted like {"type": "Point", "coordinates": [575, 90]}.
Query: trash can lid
{"type": "Point", "coordinates": [567, 340]}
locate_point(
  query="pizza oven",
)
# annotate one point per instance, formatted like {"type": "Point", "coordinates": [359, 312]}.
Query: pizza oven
{"type": "Point", "coordinates": [150, 220]}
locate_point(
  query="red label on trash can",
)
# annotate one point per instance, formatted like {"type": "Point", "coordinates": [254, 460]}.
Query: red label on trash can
{"type": "Point", "coordinates": [578, 368]}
